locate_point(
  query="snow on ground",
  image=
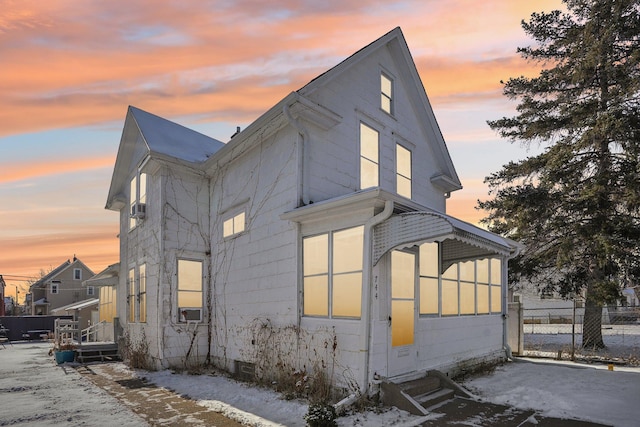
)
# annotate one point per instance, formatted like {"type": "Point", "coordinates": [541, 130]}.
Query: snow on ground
{"type": "Point", "coordinates": [565, 390]}
{"type": "Point", "coordinates": [34, 390]}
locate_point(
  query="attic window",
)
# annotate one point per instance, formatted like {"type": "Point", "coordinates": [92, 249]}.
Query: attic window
{"type": "Point", "coordinates": [55, 287]}
{"type": "Point", "coordinates": [77, 274]}
{"type": "Point", "coordinates": [386, 93]}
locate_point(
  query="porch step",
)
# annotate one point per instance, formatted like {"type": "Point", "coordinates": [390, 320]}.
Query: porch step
{"type": "Point", "coordinates": [97, 353]}
{"type": "Point", "coordinates": [418, 395]}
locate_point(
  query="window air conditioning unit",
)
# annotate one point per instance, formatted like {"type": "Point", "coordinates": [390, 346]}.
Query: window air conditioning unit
{"type": "Point", "coordinates": [138, 210]}
{"type": "Point", "coordinates": [190, 314]}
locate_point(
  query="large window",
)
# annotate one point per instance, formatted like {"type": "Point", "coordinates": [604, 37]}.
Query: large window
{"type": "Point", "coordinates": [131, 297]}
{"type": "Point", "coordinates": [369, 142]}
{"type": "Point", "coordinates": [142, 292]}
{"type": "Point", "coordinates": [403, 171]}
{"type": "Point", "coordinates": [189, 290]}
{"type": "Point", "coordinates": [463, 288]}
{"type": "Point", "coordinates": [386, 93]}
{"type": "Point", "coordinates": [332, 269]}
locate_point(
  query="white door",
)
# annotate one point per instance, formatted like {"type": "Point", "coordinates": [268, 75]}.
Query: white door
{"type": "Point", "coordinates": [403, 313]}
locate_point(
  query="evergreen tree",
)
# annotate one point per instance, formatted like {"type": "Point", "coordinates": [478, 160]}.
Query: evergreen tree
{"type": "Point", "coordinates": [576, 205]}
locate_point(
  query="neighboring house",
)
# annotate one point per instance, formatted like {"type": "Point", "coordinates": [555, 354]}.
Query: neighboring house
{"type": "Point", "coordinates": [315, 239]}
{"type": "Point", "coordinates": [106, 284]}
{"type": "Point", "coordinates": [60, 287]}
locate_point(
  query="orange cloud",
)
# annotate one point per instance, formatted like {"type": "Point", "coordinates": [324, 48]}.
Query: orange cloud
{"type": "Point", "coordinates": [39, 168]}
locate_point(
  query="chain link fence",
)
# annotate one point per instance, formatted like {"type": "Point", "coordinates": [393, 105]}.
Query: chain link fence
{"type": "Point", "coordinates": [558, 332]}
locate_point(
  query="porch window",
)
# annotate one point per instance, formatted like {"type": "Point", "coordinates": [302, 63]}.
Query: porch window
{"type": "Point", "coordinates": [386, 93]}
{"type": "Point", "coordinates": [332, 270]}
{"type": "Point", "coordinates": [429, 289]}
{"type": "Point", "coordinates": [403, 171]}
{"type": "Point", "coordinates": [450, 291]}
{"type": "Point", "coordinates": [189, 290]}
{"type": "Point", "coordinates": [131, 297]}
{"type": "Point", "coordinates": [369, 165]}
{"type": "Point", "coordinates": [496, 285]}
{"type": "Point", "coordinates": [142, 292]}
{"type": "Point", "coordinates": [483, 286]}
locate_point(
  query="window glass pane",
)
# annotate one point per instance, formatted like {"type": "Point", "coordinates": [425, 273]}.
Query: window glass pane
{"type": "Point", "coordinates": [483, 270]}
{"type": "Point", "coordinates": [402, 322]}
{"type": "Point", "coordinates": [316, 296]}
{"type": "Point", "coordinates": [429, 259]}
{"type": "Point", "coordinates": [133, 192]}
{"type": "Point", "coordinates": [143, 308]}
{"type": "Point", "coordinates": [428, 295]}
{"type": "Point", "coordinates": [402, 275]}
{"type": "Point", "coordinates": [451, 272]}
{"type": "Point", "coordinates": [132, 296]}
{"type": "Point", "coordinates": [467, 298]}
{"type": "Point", "coordinates": [467, 271]}
{"type": "Point", "coordinates": [368, 143]}
{"type": "Point", "coordinates": [368, 174]}
{"type": "Point", "coordinates": [347, 294]}
{"type": "Point", "coordinates": [403, 161]}
{"type": "Point", "coordinates": [404, 186]}
{"type": "Point", "coordinates": [142, 197]}
{"type": "Point", "coordinates": [189, 299]}
{"type": "Point", "coordinates": [142, 292]}
{"type": "Point", "coordinates": [227, 227]}
{"type": "Point", "coordinates": [189, 275]}
{"type": "Point", "coordinates": [238, 223]}
{"type": "Point", "coordinates": [385, 103]}
{"type": "Point", "coordinates": [347, 250]}
{"type": "Point", "coordinates": [496, 271]}
{"type": "Point", "coordinates": [483, 299]}
{"type": "Point", "coordinates": [315, 257]}
{"type": "Point", "coordinates": [449, 297]}
{"type": "Point", "coordinates": [496, 299]}
{"type": "Point", "coordinates": [385, 85]}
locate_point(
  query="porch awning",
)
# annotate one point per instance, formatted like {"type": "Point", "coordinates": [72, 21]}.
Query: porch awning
{"type": "Point", "coordinates": [107, 277]}
{"type": "Point", "coordinates": [77, 305]}
{"type": "Point", "coordinates": [460, 240]}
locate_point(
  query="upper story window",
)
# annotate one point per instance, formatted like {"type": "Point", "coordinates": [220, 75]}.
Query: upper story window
{"type": "Point", "coordinates": [369, 164]}
{"type": "Point", "coordinates": [90, 291]}
{"type": "Point", "coordinates": [386, 93]}
{"type": "Point", "coordinates": [77, 274]}
{"type": "Point", "coordinates": [233, 225]}
{"type": "Point", "coordinates": [55, 287]}
{"type": "Point", "coordinates": [189, 290]}
{"type": "Point", "coordinates": [137, 199]}
{"type": "Point", "coordinates": [403, 171]}
{"type": "Point", "coordinates": [332, 270]}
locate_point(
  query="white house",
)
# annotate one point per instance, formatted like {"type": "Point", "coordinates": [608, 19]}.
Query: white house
{"type": "Point", "coordinates": [315, 239]}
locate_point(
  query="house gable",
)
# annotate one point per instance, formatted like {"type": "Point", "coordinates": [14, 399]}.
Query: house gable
{"type": "Point", "coordinates": [413, 122]}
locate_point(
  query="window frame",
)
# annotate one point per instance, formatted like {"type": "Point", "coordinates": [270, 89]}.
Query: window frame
{"type": "Point", "coordinates": [55, 287]}
{"type": "Point", "coordinates": [233, 218]}
{"type": "Point", "coordinates": [131, 295]}
{"type": "Point", "coordinates": [400, 175]}
{"type": "Point", "coordinates": [180, 317]}
{"type": "Point", "coordinates": [91, 290]}
{"type": "Point", "coordinates": [332, 274]}
{"type": "Point", "coordinates": [137, 186]}
{"type": "Point", "coordinates": [362, 158]}
{"type": "Point", "coordinates": [141, 299]}
{"type": "Point", "coordinates": [77, 274]}
{"type": "Point", "coordinates": [389, 97]}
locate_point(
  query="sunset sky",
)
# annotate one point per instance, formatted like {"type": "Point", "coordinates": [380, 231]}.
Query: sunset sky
{"type": "Point", "coordinates": [69, 69]}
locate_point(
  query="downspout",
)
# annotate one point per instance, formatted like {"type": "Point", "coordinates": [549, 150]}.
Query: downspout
{"type": "Point", "coordinates": [505, 302]}
{"type": "Point", "coordinates": [365, 339]}
{"type": "Point", "coordinates": [302, 155]}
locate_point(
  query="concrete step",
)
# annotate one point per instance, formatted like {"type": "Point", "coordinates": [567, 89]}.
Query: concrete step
{"type": "Point", "coordinates": [421, 386]}
{"type": "Point", "coordinates": [435, 397]}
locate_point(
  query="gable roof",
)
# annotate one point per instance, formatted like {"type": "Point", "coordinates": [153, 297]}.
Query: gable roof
{"type": "Point", "coordinates": [393, 40]}
{"type": "Point", "coordinates": [53, 273]}
{"type": "Point", "coordinates": [162, 139]}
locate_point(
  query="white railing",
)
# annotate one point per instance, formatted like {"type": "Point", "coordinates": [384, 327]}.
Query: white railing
{"type": "Point", "coordinates": [91, 333]}
{"type": "Point", "coordinates": [66, 333]}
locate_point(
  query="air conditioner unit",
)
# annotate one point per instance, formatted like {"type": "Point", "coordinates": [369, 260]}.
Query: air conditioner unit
{"type": "Point", "coordinates": [138, 210]}
{"type": "Point", "coordinates": [188, 314]}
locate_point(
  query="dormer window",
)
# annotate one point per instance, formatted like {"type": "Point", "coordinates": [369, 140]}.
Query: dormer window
{"type": "Point", "coordinates": [137, 199]}
{"type": "Point", "coordinates": [386, 93]}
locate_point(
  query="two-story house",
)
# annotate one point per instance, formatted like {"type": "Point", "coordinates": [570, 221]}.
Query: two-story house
{"type": "Point", "coordinates": [60, 287]}
{"type": "Point", "coordinates": [315, 239]}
